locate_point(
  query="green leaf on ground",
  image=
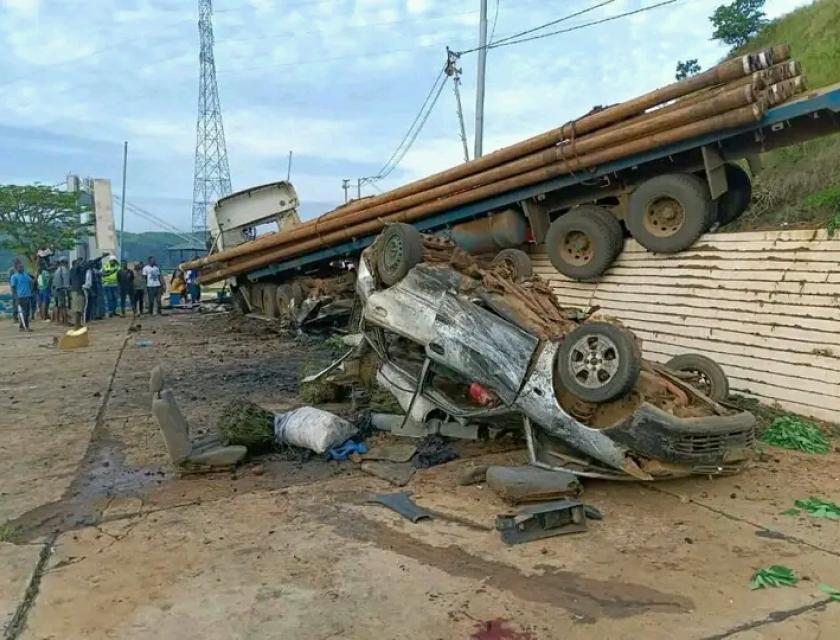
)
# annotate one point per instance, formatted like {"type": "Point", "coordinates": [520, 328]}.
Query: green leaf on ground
{"type": "Point", "coordinates": [773, 576]}
{"type": "Point", "coordinates": [794, 432]}
{"type": "Point", "coordinates": [791, 512]}
{"type": "Point", "coordinates": [831, 591]}
{"type": "Point", "coordinates": [819, 508]}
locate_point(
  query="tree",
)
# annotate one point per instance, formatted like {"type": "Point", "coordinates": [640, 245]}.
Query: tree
{"type": "Point", "coordinates": [687, 68]}
{"type": "Point", "coordinates": [36, 216]}
{"type": "Point", "coordinates": [736, 23]}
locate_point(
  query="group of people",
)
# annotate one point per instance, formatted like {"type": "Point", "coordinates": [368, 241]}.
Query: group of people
{"type": "Point", "coordinates": [92, 289]}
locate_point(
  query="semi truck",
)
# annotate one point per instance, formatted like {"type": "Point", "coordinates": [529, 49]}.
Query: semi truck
{"type": "Point", "coordinates": [665, 197]}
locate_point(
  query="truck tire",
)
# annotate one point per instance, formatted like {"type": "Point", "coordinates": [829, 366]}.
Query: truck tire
{"type": "Point", "coordinates": [668, 213]}
{"type": "Point", "coordinates": [599, 362]}
{"type": "Point", "coordinates": [286, 295]}
{"type": "Point", "coordinates": [705, 374]}
{"type": "Point", "coordinates": [583, 243]}
{"type": "Point", "coordinates": [737, 198]}
{"type": "Point", "coordinates": [401, 250]}
{"type": "Point", "coordinates": [517, 261]}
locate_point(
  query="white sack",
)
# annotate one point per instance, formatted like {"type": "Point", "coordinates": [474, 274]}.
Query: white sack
{"type": "Point", "coordinates": [311, 428]}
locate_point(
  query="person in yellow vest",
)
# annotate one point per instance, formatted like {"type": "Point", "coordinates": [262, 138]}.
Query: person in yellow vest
{"type": "Point", "coordinates": [110, 283]}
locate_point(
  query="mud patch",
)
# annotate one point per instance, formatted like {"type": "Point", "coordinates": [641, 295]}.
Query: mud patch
{"type": "Point", "coordinates": [587, 598]}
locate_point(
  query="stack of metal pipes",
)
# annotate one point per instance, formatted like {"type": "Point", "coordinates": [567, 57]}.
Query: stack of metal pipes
{"type": "Point", "coordinates": [733, 94]}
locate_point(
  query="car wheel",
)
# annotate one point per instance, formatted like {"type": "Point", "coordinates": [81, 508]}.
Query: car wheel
{"type": "Point", "coordinates": [517, 261]}
{"type": "Point", "coordinates": [599, 362]}
{"type": "Point", "coordinates": [668, 213]}
{"type": "Point", "coordinates": [704, 373]}
{"type": "Point", "coordinates": [583, 243]}
{"type": "Point", "coordinates": [401, 249]}
{"type": "Point", "coordinates": [738, 196]}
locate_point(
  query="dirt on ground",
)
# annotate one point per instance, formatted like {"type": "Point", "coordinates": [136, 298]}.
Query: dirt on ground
{"type": "Point", "coordinates": [102, 538]}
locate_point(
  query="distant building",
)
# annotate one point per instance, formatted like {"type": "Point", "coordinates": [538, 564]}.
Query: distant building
{"type": "Point", "coordinates": [96, 194]}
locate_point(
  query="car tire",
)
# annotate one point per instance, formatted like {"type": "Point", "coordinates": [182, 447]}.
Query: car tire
{"type": "Point", "coordinates": [583, 243]}
{"type": "Point", "coordinates": [707, 375]}
{"type": "Point", "coordinates": [667, 214]}
{"type": "Point", "coordinates": [599, 362]}
{"type": "Point", "coordinates": [732, 204]}
{"type": "Point", "coordinates": [400, 250]}
{"type": "Point", "coordinates": [518, 262]}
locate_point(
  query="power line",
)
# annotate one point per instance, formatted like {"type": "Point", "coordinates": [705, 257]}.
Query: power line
{"type": "Point", "coordinates": [495, 19]}
{"type": "Point", "coordinates": [416, 126]}
{"type": "Point", "coordinates": [542, 26]}
{"type": "Point", "coordinates": [584, 25]}
{"type": "Point", "coordinates": [151, 217]}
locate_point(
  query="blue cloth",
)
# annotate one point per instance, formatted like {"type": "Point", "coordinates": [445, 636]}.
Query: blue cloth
{"type": "Point", "coordinates": [343, 451]}
{"type": "Point", "coordinates": [111, 298]}
{"type": "Point", "coordinates": [22, 282]}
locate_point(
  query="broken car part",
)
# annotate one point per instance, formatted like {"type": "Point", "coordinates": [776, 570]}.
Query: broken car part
{"type": "Point", "coordinates": [542, 521]}
{"type": "Point", "coordinates": [402, 504]}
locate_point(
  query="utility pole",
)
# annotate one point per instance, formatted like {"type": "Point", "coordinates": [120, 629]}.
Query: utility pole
{"type": "Point", "coordinates": [455, 73]}
{"type": "Point", "coordinates": [479, 91]}
{"type": "Point", "coordinates": [358, 188]}
{"type": "Point", "coordinates": [345, 184]}
{"type": "Point", "coordinates": [122, 200]}
{"type": "Point", "coordinates": [289, 168]}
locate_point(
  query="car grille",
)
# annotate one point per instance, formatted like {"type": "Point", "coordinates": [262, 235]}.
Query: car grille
{"type": "Point", "coordinates": [715, 444]}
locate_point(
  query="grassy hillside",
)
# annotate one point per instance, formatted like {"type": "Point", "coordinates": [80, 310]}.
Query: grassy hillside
{"type": "Point", "coordinates": [800, 185]}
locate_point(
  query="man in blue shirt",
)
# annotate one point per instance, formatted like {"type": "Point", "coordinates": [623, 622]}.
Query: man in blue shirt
{"type": "Point", "coordinates": [21, 283]}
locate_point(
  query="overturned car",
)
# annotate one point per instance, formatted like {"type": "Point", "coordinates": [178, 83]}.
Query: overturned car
{"type": "Point", "coordinates": [469, 350]}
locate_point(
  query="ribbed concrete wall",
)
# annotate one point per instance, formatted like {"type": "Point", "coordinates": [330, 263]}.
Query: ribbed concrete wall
{"type": "Point", "coordinates": [765, 305]}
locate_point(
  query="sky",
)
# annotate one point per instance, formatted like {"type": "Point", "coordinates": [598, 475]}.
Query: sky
{"type": "Point", "coordinates": [338, 82]}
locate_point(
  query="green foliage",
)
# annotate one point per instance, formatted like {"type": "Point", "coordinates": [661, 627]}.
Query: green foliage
{"type": "Point", "coordinates": [687, 68]}
{"type": "Point", "coordinates": [8, 532]}
{"type": "Point", "coordinates": [819, 508]}
{"type": "Point", "coordinates": [831, 591]}
{"type": "Point", "coordinates": [827, 200]}
{"type": "Point", "coordinates": [36, 216]}
{"type": "Point", "coordinates": [244, 423]}
{"type": "Point", "coordinates": [773, 576]}
{"type": "Point", "coordinates": [794, 432]}
{"type": "Point", "coordinates": [737, 22]}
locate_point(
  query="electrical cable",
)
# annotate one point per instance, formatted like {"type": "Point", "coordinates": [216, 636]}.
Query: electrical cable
{"type": "Point", "coordinates": [495, 19]}
{"type": "Point", "coordinates": [415, 127]}
{"type": "Point", "coordinates": [584, 25]}
{"type": "Point", "coordinates": [542, 26]}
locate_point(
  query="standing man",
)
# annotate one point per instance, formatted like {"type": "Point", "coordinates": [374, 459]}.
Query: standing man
{"type": "Point", "coordinates": [60, 291]}
{"type": "Point", "coordinates": [12, 272]}
{"type": "Point", "coordinates": [110, 284]}
{"type": "Point", "coordinates": [22, 289]}
{"type": "Point", "coordinates": [78, 295]}
{"type": "Point", "coordinates": [154, 285]}
{"type": "Point", "coordinates": [139, 289]}
{"type": "Point", "coordinates": [193, 288]}
{"type": "Point", "coordinates": [44, 281]}
{"type": "Point", "coordinates": [125, 281]}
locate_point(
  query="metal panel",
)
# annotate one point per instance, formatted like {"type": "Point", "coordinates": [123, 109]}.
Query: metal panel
{"type": "Point", "coordinates": [481, 346]}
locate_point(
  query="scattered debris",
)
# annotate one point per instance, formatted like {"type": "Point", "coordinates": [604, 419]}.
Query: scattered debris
{"type": "Point", "coordinates": [397, 452]}
{"type": "Point", "coordinates": [345, 450]}
{"type": "Point", "coordinates": [472, 475]}
{"type": "Point", "coordinates": [246, 423]}
{"type": "Point", "coordinates": [144, 343]}
{"type": "Point", "coordinates": [816, 508]}
{"type": "Point", "coordinates": [542, 521]}
{"type": "Point", "coordinates": [773, 576]}
{"type": "Point", "coordinates": [531, 484]}
{"type": "Point", "coordinates": [831, 591]}
{"type": "Point", "coordinates": [311, 428]}
{"type": "Point", "coordinates": [402, 504]}
{"type": "Point", "coordinates": [74, 339]}
{"type": "Point", "coordinates": [432, 451]}
{"type": "Point", "coordinates": [795, 432]}
{"type": "Point", "coordinates": [397, 473]}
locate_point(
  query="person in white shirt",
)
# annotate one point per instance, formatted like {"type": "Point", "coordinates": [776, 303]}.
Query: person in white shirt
{"type": "Point", "coordinates": [154, 285]}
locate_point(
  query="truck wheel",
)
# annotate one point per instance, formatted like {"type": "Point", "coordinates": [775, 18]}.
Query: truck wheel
{"type": "Point", "coordinates": [703, 373]}
{"type": "Point", "coordinates": [668, 213]}
{"type": "Point", "coordinates": [401, 249]}
{"type": "Point", "coordinates": [599, 362]}
{"type": "Point", "coordinates": [517, 261]}
{"type": "Point", "coordinates": [737, 198]}
{"type": "Point", "coordinates": [286, 296]}
{"type": "Point", "coordinates": [583, 243]}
